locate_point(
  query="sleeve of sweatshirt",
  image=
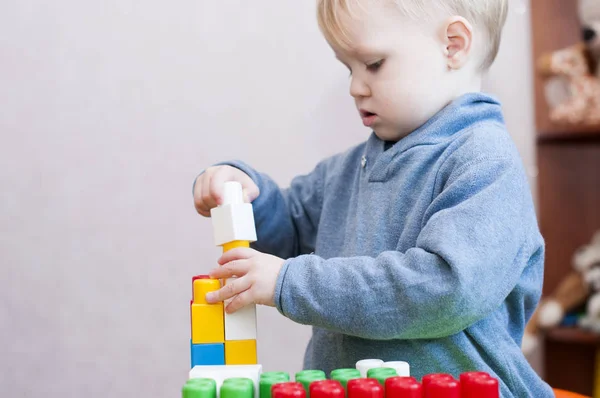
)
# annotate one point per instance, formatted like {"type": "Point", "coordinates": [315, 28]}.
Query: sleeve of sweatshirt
{"type": "Point", "coordinates": [468, 257]}
{"type": "Point", "coordinates": [286, 219]}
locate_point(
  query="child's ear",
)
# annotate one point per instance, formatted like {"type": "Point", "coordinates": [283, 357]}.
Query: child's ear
{"type": "Point", "coordinates": [458, 38]}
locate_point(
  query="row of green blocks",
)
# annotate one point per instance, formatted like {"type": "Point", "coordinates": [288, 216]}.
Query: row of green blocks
{"type": "Point", "coordinates": [239, 387]}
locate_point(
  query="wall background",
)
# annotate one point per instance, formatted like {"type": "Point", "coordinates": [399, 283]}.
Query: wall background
{"type": "Point", "coordinates": [107, 112]}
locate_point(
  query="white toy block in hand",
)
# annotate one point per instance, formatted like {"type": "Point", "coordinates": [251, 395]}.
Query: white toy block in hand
{"type": "Point", "coordinates": [221, 372]}
{"type": "Point", "coordinates": [234, 219]}
{"type": "Point", "coordinates": [241, 325]}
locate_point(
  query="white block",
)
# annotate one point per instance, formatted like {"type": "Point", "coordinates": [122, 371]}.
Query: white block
{"type": "Point", "coordinates": [365, 364]}
{"type": "Point", "coordinates": [221, 372]}
{"type": "Point", "coordinates": [241, 325]}
{"type": "Point", "coordinates": [233, 222]}
{"type": "Point", "coordinates": [401, 367]}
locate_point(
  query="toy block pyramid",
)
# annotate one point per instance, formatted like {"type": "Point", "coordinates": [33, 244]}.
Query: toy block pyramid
{"type": "Point", "coordinates": [219, 338]}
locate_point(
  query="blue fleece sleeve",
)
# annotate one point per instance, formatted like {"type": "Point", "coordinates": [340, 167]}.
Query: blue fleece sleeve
{"type": "Point", "coordinates": [286, 219]}
{"type": "Point", "coordinates": [469, 255]}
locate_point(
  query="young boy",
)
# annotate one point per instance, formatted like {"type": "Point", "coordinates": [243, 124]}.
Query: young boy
{"type": "Point", "coordinates": [420, 244]}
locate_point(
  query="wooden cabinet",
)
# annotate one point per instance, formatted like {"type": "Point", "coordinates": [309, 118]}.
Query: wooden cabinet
{"type": "Point", "coordinates": [568, 197]}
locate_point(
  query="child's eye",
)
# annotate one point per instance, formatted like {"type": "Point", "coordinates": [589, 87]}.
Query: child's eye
{"type": "Point", "coordinates": [375, 66]}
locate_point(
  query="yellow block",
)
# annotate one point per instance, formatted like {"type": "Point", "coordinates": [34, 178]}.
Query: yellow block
{"type": "Point", "coordinates": [240, 352]}
{"type": "Point", "coordinates": [208, 323]}
{"type": "Point", "coordinates": [203, 286]}
{"type": "Point", "coordinates": [236, 243]}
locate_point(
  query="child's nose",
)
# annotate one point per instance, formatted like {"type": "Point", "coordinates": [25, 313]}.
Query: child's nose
{"type": "Point", "coordinates": [358, 88]}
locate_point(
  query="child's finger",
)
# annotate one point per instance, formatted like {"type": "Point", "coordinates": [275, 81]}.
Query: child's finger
{"type": "Point", "coordinates": [251, 190]}
{"type": "Point", "coordinates": [210, 196]}
{"type": "Point", "coordinates": [239, 301]}
{"type": "Point", "coordinates": [230, 289]}
{"type": "Point", "coordinates": [230, 269]}
{"type": "Point", "coordinates": [199, 200]}
{"type": "Point", "coordinates": [219, 178]}
{"type": "Point", "coordinates": [240, 253]}
{"type": "Point", "coordinates": [229, 173]}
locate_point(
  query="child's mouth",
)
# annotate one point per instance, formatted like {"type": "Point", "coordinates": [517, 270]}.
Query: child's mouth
{"type": "Point", "coordinates": [368, 118]}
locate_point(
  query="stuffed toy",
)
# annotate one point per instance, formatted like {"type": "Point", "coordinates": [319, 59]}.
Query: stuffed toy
{"type": "Point", "coordinates": [588, 263]}
{"type": "Point", "coordinates": [580, 285]}
{"type": "Point", "coordinates": [572, 74]}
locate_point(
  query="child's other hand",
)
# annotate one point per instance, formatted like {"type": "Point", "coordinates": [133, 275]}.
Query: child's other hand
{"type": "Point", "coordinates": [208, 191]}
{"type": "Point", "coordinates": [256, 278]}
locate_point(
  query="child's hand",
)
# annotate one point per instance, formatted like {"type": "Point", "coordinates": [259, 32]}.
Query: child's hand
{"type": "Point", "coordinates": [208, 191]}
{"type": "Point", "coordinates": [257, 275]}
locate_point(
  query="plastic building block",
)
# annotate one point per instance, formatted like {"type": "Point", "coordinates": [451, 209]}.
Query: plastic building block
{"type": "Point", "coordinates": [401, 367]}
{"type": "Point", "coordinates": [241, 325]}
{"type": "Point", "coordinates": [427, 379]}
{"type": "Point", "coordinates": [381, 374]}
{"type": "Point", "coordinates": [288, 390]}
{"type": "Point", "coordinates": [344, 375]}
{"type": "Point", "coordinates": [364, 388]}
{"type": "Point", "coordinates": [237, 387]}
{"type": "Point", "coordinates": [365, 364]}
{"type": "Point", "coordinates": [199, 388]}
{"type": "Point", "coordinates": [443, 388]}
{"type": "Point", "coordinates": [306, 377]}
{"type": "Point", "coordinates": [269, 379]}
{"type": "Point", "coordinates": [240, 352]}
{"type": "Point", "coordinates": [233, 220]}
{"type": "Point", "coordinates": [202, 285]}
{"type": "Point", "coordinates": [403, 387]}
{"type": "Point", "coordinates": [207, 354]}
{"type": "Point", "coordinates": [235, 244]}
{"type": "Point", "coordinates": [207, 323]}
{"type": "Point", "coordinates": [248, 381]}
{"type": "Point", "coordinates": [478, 385]}
{"type": "Point", "coordinates": [221, 372]}
{"type": "Point", "coordinates": [275, 375]}
{"type": "Point", "coordinates": [327, 389]}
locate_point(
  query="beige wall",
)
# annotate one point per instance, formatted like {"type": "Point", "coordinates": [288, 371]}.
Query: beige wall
{"type": "Point", "coordinates": [107, 111]}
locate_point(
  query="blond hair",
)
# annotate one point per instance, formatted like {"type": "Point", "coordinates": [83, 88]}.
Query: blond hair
{"type": "Point", "coordinates": [490, 15]}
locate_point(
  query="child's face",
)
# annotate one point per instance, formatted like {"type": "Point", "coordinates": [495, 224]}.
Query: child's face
{"type": "Point", "coordinates": [398, 71]}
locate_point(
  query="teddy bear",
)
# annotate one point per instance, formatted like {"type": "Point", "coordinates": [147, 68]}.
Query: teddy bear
{"type": "Point", "coordinates": [572, 74]}
{"type": "Point", "coordinates": [580, 285]}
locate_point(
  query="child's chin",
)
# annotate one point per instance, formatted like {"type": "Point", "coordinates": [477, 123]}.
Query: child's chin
{"type": "Point", "coordinates": [386, 135]}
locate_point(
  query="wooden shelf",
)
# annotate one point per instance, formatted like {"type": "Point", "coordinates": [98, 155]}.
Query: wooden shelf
{"type": "Point", "coordinates": [568, 159]}
{"type": "Point", "coordinates": [573, 335]}
{"type": "Point", "coordinates": [558, 133]}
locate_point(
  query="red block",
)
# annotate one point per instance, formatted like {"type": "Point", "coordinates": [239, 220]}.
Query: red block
{"type": "Point", "coordinates": [443, 388]}
{"type": "Point", "coordinates": [430, 377]}
{"type": "Point", "coordinates": [364, 388]}
{"type": "Point", "coordinates": [403, 387]}
{"type": "Point", "coordinates": [479, 385]}
{"type": "Point", "coordinates": [327, 389]}
{"type": "Point", "coordinates": [291, 389]}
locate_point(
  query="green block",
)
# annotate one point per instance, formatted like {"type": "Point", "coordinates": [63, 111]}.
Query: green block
{"type": "Point", "coordinates": [381, 374]}
{"type": "Point", "coordinates": [268, 380]}
{"type": "Point", "coordinates": [306, 377]}
{"type": "Point", "coordinates": [344, 375]}
{"type": "Point", "coordinates": [237, 387]}
{"type": "Point", "coordinates": [277, 375]}
{"type": "Point", "coordinates": [199, 388]}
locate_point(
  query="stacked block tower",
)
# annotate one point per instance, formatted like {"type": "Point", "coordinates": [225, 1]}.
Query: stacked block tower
{"type": "Point", "coordinates": [219, 338]}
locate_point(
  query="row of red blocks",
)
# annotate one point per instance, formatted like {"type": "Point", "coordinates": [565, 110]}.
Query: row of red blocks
{"type": "Point", "coordinates": [438, 385]}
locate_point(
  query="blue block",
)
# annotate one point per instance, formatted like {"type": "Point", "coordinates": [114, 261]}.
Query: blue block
{"type": "Point", "coordinates": [207, 354]}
